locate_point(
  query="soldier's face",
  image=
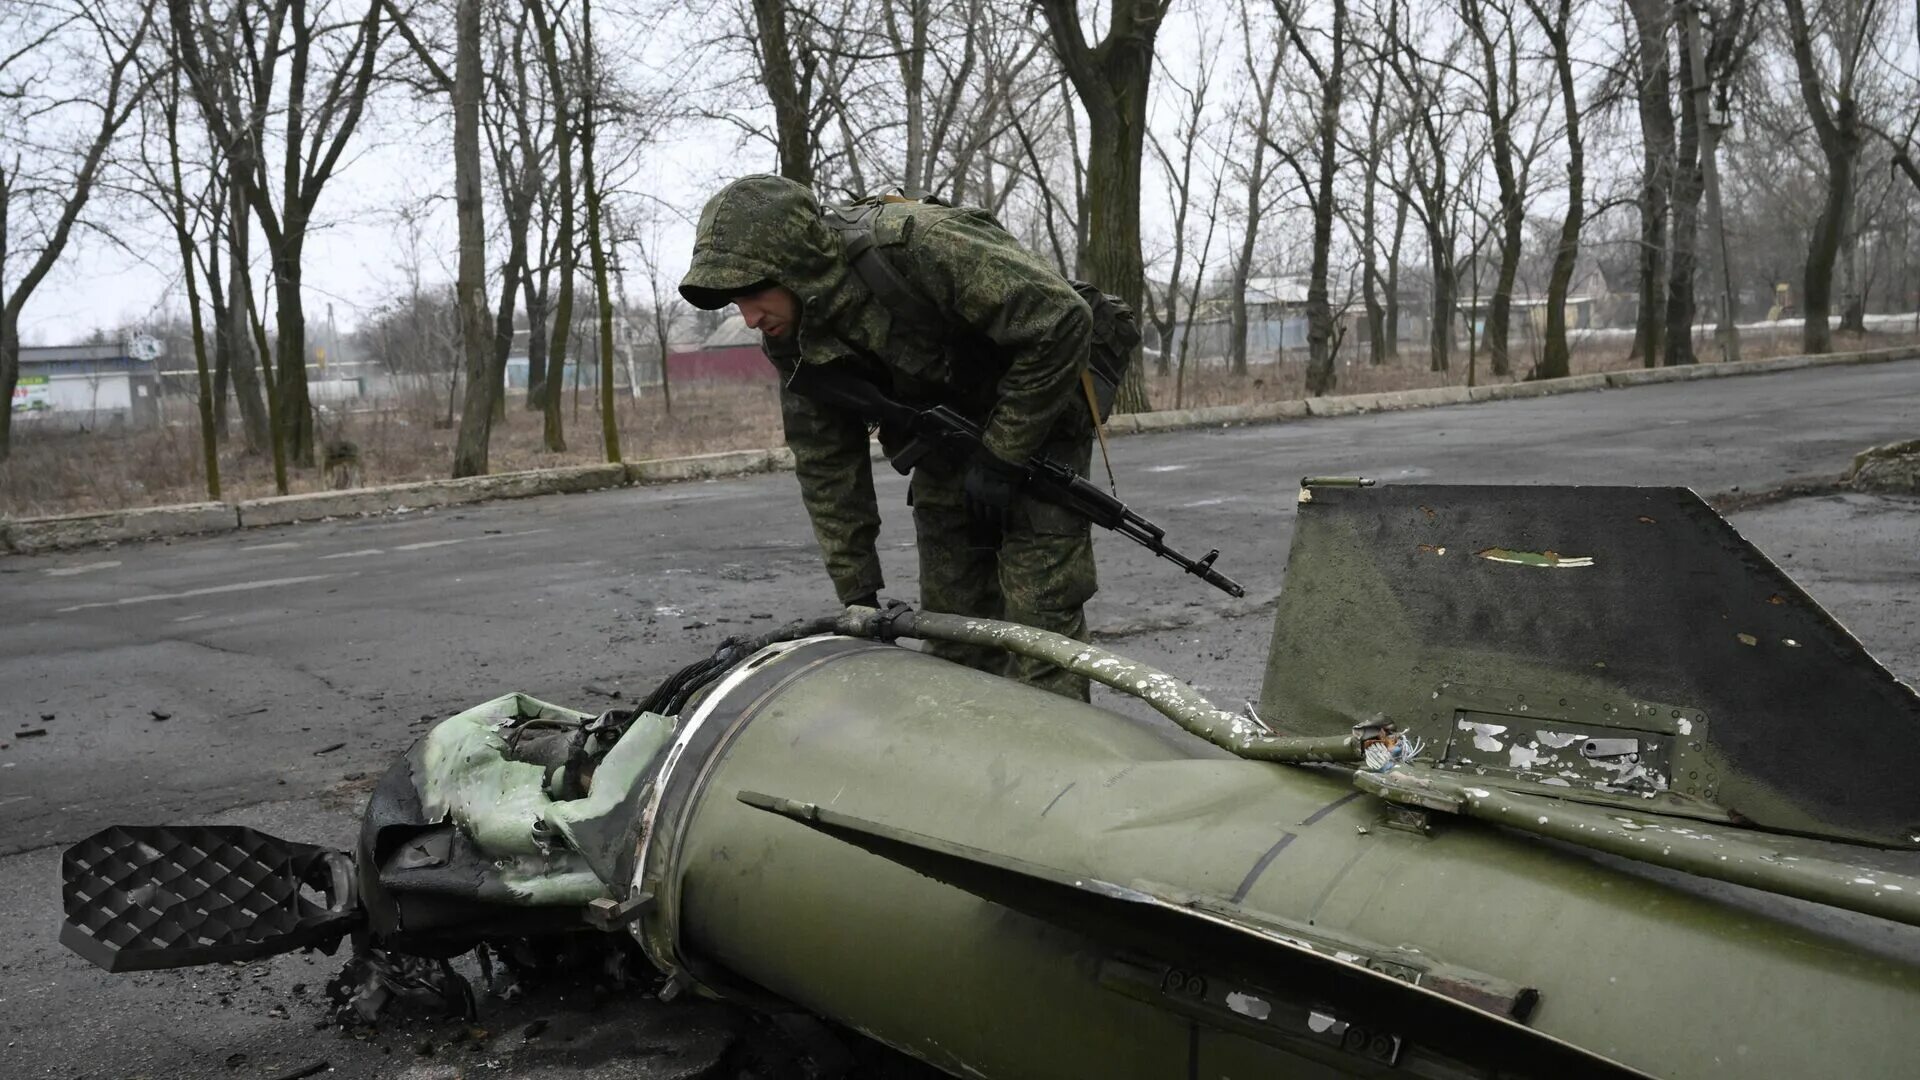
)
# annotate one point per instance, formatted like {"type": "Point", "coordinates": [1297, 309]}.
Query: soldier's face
{"type": "Point", "coordinates": [774, 310]}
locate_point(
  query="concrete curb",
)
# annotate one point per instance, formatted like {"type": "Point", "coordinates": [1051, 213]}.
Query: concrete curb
{"type": "Point", "coordinates": [29, 535]}
{"type": "Point", "coordinates": [32, 535]}
{"type": "Point", "coordinates": [422, 494]}
{"type": "Point", "coordinates": [709, 466]}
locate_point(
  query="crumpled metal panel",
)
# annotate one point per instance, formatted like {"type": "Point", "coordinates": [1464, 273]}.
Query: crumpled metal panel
{"type": "Point", "coordinates": [139, 898]}
{"type": "Point", "coordinates": [1562, 604]}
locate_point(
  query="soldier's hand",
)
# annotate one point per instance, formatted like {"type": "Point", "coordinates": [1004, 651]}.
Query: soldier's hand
{"type": "Point", "coordinates": [988, 489]}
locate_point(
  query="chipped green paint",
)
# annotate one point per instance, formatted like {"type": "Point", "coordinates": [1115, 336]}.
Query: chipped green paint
{"type": "Point", "coordinates": [1244, 734]}
{"type": "Point", "coordinates": [1789, 866]}
{"type": "Point", "coordinates": [463, 775]}
{"type": "Point", "coordinates": [614, 778]}
{"type": "Point", "coordinates": [1534, 558]}
{"type": "Point", "coordinates": [1662, 975]}
{"type": "Point", "coordinates": [557, 880]}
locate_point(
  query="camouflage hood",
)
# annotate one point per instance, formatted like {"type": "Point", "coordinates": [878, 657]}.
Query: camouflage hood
{"type": "Point", "coordinates": [767, 229]}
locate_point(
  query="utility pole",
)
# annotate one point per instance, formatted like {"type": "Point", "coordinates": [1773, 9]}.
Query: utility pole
{"type": "Point", "coordinates": [1712, 126]}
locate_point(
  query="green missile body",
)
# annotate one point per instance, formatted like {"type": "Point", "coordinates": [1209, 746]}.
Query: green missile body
{"type": "Point", "coordinates": [1544, 782]}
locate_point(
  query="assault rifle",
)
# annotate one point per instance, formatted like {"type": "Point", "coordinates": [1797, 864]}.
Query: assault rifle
{"type": "Point", "coordinates": [944, 434]}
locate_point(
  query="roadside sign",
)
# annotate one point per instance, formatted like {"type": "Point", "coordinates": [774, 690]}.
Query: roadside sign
{"type": "Point", "coordinates": [32, 394]}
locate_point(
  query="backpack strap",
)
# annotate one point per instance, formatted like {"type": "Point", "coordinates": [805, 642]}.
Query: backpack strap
{"type": "Point", "coordinates": [855, 225]}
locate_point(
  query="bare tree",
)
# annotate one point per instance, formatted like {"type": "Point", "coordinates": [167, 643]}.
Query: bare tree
{"type": "Point", "coordinates": [1330, 75]}
{"type": "Point", "coordinates": [1112, 77]}
{"type": "Point", "coordinates": [217, 66]}
{"type": "Point", "coordinates": [1165, 314]}
{"type": "Point", "coordinates": [565, 248]}
{"type": "Point", "coordinates": [1199, 276]}
{"type": "Point", "coordinates": [45, 183]}
{"type": "Point", "coordinates": [1429, 185]}
{"type": "Point", "coordinates": [1654, 95]}
{"type": "Point", "coordinates": [171, 190]}
{"type": "Point", "coordinates": [596, 241]}
{"type": "Point", "coordinates": [465, 89]}
{"type": "Point", "coordinates": [1258, 116]}
{"type": "Point", "coordinates": [1704, 63]}
{"type": "Point", "coordinates": [1828, 55]}
{"type": "Point", "coordinates": [787, 72]}
{"type": "Point", "coordinates": [1381, 128]}
{"type": "Point", "coordinates": [1554, 22]}
{"type": "Point", "coordinates": [1500, 97]}
{"type": "Point", "coordinates": [318, 120]}
{"type": "Point", "coordinates": [519, 151]}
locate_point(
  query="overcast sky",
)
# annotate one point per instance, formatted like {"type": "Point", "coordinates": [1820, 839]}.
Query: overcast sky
{"type": "Point", "coordinates": [357, 253]}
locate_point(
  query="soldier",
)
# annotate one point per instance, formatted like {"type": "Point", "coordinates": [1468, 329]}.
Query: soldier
{"type": "Point", "coordinates": [978, 324]}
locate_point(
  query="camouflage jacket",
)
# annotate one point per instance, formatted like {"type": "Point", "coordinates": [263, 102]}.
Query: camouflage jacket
{"type": "Point", "coordinates": [1014, 341]}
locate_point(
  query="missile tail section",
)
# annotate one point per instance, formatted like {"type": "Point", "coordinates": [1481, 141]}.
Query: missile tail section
{"type": "Point", "coordinates": [1411, 860]}
{"type": "Point", "coordinates": [1624, 647]}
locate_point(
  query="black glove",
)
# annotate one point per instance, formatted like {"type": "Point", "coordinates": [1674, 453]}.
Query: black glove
{"type": "Point", "coordinates": [871, 600]}
{"type": "Point", "coordinates": [988, 488]}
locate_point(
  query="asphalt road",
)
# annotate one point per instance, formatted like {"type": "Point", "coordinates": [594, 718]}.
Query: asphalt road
{"type": "Point", "coordinates": [266, 676]}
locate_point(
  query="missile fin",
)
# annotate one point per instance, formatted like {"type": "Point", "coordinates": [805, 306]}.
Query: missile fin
{"type": "Point", "coordinates": [1138, 921]}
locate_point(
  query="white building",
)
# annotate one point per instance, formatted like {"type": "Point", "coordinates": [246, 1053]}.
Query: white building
{"type": "Point", "coordinates": [88, 386]}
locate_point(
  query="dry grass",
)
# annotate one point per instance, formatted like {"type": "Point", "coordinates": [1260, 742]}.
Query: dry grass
{"type": "Point", "coordinates": [75, 472]}
{"type": "Point", "coordinates": [58, 473]}
{"type": "Point", "coordinates": [1284, 379]}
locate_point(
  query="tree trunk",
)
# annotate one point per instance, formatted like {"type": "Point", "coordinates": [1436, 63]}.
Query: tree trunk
{"type": "Point", "coordinates": [9, 369]}
{"type": "Point", "coordinates": [1112, 80]}
{"type": "Point", "coordinates": [1321, 374]}
{"type": "Point", "coordinates": [1853, 290]}
{"type": "Point", "coordinates": [536, 301]}
{"type": "Point", "coordinates": [1512, 199]}
{"type": "Point", "coordinates": [1369, 231]}
{"type": "Point", "coordinates": [503, 317]}
{"type": "Point", "coordinates": [295, 408]}
{"type": "Point", "coordinates": [1823, 251]}
{"type": "Point", "coordinates": [1116, 135]}
{"type": "Point", "coordinates": [1243, 263]}
{"type": "Point", "coordinates": [1391, 322]}
{"type": "Point", "coordinates": [1685, 203]}
{"type": "Point", "coordinates": [1440, 253]}
{"type": "Point", "coordinates": [1840, 138]}
{"type": "Point", "coordinates": [256, 421]}
{"type": "Point", "coordinates": [222, 347]}
{"type": "Point", "coordinates": [1654, 94]}
{"type": "Point", "coordinates": [257, 330]}
{"type": "Point", "coordinates": [793, 130]}
{"type": "Point", "coordinates": [476, 410]}
{"type": "Point", "coordinates": [177, 203]}
{"type": "Point", "coordinates": [553, 433]}
{"type": "Point", "coordinates": [1556, 358]}
{"type": "Point", "coordinates": [596, 243]}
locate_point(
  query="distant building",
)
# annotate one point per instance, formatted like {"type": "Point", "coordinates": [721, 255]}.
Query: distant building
{"type": "Point", "coordinates": [730, 354]}
{"type": "Point", "coordinates": [89, 386]}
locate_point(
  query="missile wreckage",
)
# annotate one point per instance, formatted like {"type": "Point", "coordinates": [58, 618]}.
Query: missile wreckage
{"type": "Point", "coordinates": [1543, 781]}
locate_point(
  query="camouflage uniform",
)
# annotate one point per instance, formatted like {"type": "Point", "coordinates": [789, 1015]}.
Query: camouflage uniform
{"type": "Point", "coordinates": [1009, 353]}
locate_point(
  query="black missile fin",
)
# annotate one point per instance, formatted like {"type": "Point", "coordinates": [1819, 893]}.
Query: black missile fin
{"type": "Point", "coordinates": [144, 897]}
{"type": "Point", "coordinates": [1614, 642]}
{"type": "Point", "coordinates": [1141, 922]}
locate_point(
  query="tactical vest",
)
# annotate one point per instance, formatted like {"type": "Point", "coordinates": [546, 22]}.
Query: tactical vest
{"type": "Point", "coordinates": [1116, 333]}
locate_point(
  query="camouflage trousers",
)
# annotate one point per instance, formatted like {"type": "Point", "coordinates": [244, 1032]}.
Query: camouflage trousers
{"type": "Point", "coordinates": [1041, 575]}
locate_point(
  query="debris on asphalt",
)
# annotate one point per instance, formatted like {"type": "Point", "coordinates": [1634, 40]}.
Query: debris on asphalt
{"type": "Point", "coordinates": [159, 714]}
{"type": "Point", "coordinates": [596, 688]}
{"type": "Point", "coordinates": [329, 748]}
{"type": "Point", "coordinates": [534, 1029]}
{"type": "Point", "coordinates": [303, 1071]}
{"type": "Point", "coordinates": [30, 733]}
{"type": "Point", "coordinates": [47, 717]}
